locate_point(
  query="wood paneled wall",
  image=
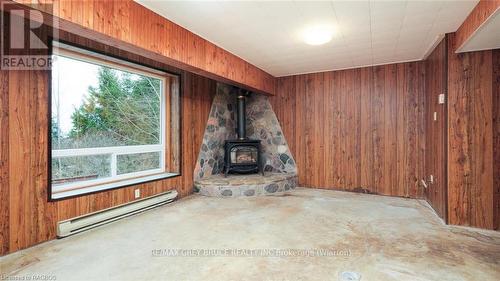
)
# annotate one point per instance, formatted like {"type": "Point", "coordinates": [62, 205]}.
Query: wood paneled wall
{"type": "Point", "coordinates": [130, 23]}
{"type": "Point", "coordinates": [479, 15]}
{"type": "Point", "coordinates": [26, 217]}
{"type": "Point", "coordinates": [4, 163]}
{"type": "Point", "coordinates": [496, 135]}
{"type": "Point", "coordinates": [470, 137]}
{"type": "Point", "coordinates": [358, 129]}
{"type": "Point", "coordinates": [436, 130]}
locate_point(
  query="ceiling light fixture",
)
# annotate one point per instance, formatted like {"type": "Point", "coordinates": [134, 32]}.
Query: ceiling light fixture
{"type": "Point", "coordinates": [318, 35]}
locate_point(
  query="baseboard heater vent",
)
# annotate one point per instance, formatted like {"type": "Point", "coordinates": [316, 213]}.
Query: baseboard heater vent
{"type": "Point", "coordinates": [88, 221]}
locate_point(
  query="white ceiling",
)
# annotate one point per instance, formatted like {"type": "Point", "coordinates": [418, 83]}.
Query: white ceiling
{"type": "Point", "coordinates": [486, 37]}
{"type": "Point", "coordinates": [268, 33]}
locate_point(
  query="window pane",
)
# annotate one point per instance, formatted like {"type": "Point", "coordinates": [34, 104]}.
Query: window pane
{"type": "Point", "coordinates": [80, 168]}
{"type": "Point", "coordinates": [108, 120]}
{"type": "Point", "coordinates": [129, 163]}
{"type": "Point", "coordinates": [99, 106]}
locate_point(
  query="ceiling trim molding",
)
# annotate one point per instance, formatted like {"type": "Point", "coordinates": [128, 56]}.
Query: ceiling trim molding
{"type": "Point", "coordinates": [433, 46]}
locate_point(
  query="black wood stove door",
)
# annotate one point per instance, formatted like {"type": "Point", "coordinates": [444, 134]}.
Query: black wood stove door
{"type": "Point", "coordinates": [242, 156]}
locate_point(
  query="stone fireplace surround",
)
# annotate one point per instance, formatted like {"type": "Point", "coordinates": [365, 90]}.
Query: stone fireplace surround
{"type": "Point", "coordinates": [262, 124]}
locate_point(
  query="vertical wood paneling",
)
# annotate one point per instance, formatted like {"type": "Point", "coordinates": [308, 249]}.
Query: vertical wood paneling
{"type": "Point", "coordinates": [43, 215]}
{"type": "Point", "coordinates": [4, 162]}
{"type": "Point", "coordinates": [410, 90]}
{"type": "Point", "coordinates": [470, 137]}
{"type": "Point", "coordinates": [436, 130]}
{"type": "Point", "coordinates": [333, 136]}
{"type": "Point", "coordinates": [359, 129]}
{"type": "Point", "coordinates": [19, 107]}
{"type": "Point", "coordinates": [355, 126]}
{"type": "Point", "coordinates": [420, 156]}
{"type": "Point", "coordinates": [389, 186]}
{"type": "Point", "coordinates": [377, 128]}
{"type": "Point", "coordinates": [366, 132]}
{"type": "Point", "coordinates": [351, 127]}
{"type": "Point", "coordinates": [496, 135]}
{"type": "Point", "coordinates": [410, 132]}
{"type": "Point", "coordinates": [301, 120]}
{"type": "Point", "coordinates": [314, 134]}
{"type": "Point", "coordinates": [401, 131]}
{"type": "Point", "coordinates": [309, 131]}
{"type": "Point", "coordinates": [340, 93]}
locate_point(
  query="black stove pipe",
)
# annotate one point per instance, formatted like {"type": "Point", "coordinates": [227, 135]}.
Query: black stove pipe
{"type": "Point", "coordinates": [242, 128]}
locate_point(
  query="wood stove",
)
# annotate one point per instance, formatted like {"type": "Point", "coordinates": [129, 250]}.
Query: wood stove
{"type": "Point", "coordinates": [242, 155]}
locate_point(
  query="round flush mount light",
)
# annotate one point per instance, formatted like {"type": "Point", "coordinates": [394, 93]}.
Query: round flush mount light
{"type": "Point", "coordinates": [318, 35]}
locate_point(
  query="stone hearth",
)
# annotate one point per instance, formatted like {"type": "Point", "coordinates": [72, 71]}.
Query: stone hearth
{"type": "Point", "coordinates": [246, 185]}
{"type": "Point", "coordinates": [262, 124]}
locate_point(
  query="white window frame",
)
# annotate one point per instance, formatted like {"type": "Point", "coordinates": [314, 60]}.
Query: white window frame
{"type": "Point", "coordinates": [114, 180]}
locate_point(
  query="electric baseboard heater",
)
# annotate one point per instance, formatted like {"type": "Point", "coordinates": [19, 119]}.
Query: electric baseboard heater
{"type": "Point", "coordinates": [88, 221]}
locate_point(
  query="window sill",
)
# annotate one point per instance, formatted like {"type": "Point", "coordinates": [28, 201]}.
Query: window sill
{"type": "Point", "coordinates": [63, 194]}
